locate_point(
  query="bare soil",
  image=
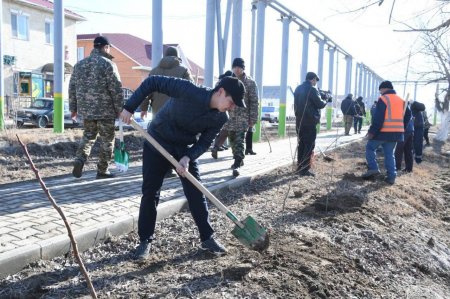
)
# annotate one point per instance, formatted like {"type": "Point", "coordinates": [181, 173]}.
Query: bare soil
{"type": "Point", "coordinates": [52, 153]}
{"type": "Point", "coordinates": [332, 236]}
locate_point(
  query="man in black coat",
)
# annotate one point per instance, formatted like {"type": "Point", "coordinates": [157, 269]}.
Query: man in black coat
{"type": "Point", "coordinates": [307, 105]}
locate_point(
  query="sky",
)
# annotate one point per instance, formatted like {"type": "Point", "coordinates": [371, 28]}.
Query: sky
{"type": "Point", "coordinates": [366, 34]}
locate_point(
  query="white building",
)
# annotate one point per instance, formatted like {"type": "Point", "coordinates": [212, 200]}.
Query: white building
{"type": "Point", "coordinates": [28, 48]}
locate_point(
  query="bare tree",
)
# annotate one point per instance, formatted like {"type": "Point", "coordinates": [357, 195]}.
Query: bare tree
{"type": "Point", "coordinates": [439, 8]}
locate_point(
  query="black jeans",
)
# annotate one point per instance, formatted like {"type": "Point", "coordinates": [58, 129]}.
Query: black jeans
{"type": "Point", "coordinates": [306, 143]}
{"type": "Point", "coordinates": [406, 148]}
{"type": "Point", "coordinates": [357, 123]}
{"type": "Point", "coordinates": [418, 143]}
{"type": "Point", "coordinates": [425, 135]}
{"type": "Point", "coordinates": [154, 168]}
{"type": "Point", "coordinates": [249, 140]}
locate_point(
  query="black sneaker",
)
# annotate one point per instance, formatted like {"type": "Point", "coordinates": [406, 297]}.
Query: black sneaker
{"type": "Point", "coordinates": [143, 250]}
{"type": "Point", "coordinates": [105, 175]}
{"type": "Point", "coordinates": [214, 247]}
{"type": "Point", "coordinates": [214, 152]}
{"type": "Point", "coordinates": [77, 168]}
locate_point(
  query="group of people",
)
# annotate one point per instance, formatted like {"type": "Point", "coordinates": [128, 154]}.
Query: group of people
{"type": "Point", "coordinates": [397, 126]}
{"type": "Point", "coordinates": [353, 112]}
{"type": "Point", "coordinates": [186, 120]}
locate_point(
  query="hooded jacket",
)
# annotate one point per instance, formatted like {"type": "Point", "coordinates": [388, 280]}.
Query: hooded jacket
{"type": "Point", "coordinates": [417, 108]}
{"type": "Point", "coordinates": [169, 66]}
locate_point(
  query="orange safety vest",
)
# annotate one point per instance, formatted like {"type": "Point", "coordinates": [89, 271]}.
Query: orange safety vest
{"type": "Point", "coordinates": [393, 117]}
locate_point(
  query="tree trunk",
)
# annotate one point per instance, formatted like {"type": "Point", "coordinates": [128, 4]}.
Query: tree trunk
{"type": "Point", "coordinates": [442, 133]}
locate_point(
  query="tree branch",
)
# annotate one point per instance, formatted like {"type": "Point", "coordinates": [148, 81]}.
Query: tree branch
{"type": "Point", "coordinates": [441, 26]}
{"type": "Point", "coordinates": [63, 217]}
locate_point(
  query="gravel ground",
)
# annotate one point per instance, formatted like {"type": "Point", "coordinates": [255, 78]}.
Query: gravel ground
{"type": "Point", "coordinates": [333, 236]}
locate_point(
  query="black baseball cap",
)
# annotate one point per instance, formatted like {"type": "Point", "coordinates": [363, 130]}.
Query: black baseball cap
{"type": "Point", "coordinates": [235, 88]}
{"type": "Point", "coordinates": [101, 41]}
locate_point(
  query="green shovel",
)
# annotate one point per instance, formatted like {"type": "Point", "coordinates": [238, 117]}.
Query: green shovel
{"type": "Point", "coordinates": [248, 232]}
{"type": "Point", "coordinates": [120, 155]}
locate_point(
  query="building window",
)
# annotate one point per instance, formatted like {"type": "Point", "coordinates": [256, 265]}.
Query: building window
{"type": "Point", "coordinates": [24, 87]}
{"type": "Point", "coordinates": [19, 25]}
{"type": "Point", "coordinates": [49, 32]}
{"type": "Point", "coordinates": [80, 53]}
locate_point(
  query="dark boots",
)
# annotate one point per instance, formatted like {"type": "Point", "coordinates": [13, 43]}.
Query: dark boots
{"type": "Point", "coordinates": [238, 162]}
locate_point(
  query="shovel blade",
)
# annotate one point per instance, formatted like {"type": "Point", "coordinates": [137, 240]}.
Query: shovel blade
{"type": "Point", "coordinates": [253, 235]}
{"type": "Point", "coordinates": [121, 158]}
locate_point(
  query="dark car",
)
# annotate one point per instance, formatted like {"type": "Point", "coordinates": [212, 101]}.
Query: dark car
{"type": "Point", "coordinates": [40, 114]}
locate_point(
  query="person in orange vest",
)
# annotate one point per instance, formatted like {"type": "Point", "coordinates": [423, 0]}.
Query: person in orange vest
{"type": "Point", "coordinates": [388, 126]}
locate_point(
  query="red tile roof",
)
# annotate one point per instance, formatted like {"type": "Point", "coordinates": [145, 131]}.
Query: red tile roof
{"type": "Point", "coordinates": [140, 50]}
{"type": "Point", "coordinates": [49, 5]}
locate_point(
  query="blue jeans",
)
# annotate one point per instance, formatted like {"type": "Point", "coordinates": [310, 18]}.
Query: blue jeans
{"type": "Point", "coordinates": [154, 168]}
{"type": "Point", "coordinates": [389, 159]}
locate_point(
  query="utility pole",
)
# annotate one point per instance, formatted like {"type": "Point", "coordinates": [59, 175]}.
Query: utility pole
{"type": "Point", "coordinates": [58, 68]}
{"type": "Point", "coordinates": [2, 75]}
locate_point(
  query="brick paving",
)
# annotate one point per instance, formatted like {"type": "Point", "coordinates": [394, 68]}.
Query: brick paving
{"type": "Point", "coordinates": [31, 229]}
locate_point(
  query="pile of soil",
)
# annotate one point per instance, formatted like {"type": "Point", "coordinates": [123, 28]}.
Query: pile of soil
{"type": "Point", "coordinates": [332, 236]}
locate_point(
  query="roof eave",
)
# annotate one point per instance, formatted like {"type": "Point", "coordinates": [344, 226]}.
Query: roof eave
{"type": "Point", "coordinates": [66, 14]}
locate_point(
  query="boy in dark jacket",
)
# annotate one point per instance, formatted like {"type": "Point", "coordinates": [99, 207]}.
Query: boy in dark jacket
{"type": "Point", "coordinates": [185, 126]}
{"type": "Point", "coordinates": [417, 108]}
{"type": "Point", "coordinates": [405, 148]}
{"type": "Point", "coordinates": [360, 113]}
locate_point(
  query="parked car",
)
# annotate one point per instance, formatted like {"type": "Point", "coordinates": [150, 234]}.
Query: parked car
{"type": "Point", "coordinates": [269, 113]}
{"type": "Point", "coordinates": [40, 114]}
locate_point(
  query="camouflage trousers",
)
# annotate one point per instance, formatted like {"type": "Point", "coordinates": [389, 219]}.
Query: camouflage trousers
{"type": "Point", "coordinates": [103, 131]}
{"type": "Point", "coordinates": [237, 139]}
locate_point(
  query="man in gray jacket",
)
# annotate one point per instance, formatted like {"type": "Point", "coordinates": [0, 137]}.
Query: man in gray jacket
{"type": "Point", "coordinates": [170, 66]}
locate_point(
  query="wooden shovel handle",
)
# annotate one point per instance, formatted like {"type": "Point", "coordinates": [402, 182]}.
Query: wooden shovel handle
{"type": "Point", "coordinates": [188, 175]}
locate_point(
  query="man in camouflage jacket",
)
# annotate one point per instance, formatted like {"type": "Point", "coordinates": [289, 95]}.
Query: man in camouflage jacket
{"type": "Point", "coordinates": [241, 119]}
{"type": "Point", "coordinates": [95, 93]}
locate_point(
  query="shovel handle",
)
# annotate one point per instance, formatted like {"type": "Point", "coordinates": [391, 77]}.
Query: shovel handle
{"type": "Point", "coordinates": [188, 175]}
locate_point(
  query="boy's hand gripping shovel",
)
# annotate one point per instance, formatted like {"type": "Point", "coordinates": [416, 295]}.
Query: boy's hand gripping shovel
{"type": "Point", "coordinates": [248, 232]}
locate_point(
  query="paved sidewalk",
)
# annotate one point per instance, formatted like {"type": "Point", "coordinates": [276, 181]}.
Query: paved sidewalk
{"type": "Point", "coordinates": [31, 229]}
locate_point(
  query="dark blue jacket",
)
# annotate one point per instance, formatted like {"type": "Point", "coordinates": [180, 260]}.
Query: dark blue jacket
{"type": "Point", "coordinates": [348, 107]}
{"type": "Point", "coordinates": [417, 108]}
{"type": "Point", "coordinates": [185, 115]}
{"type": "Point", "coordinates": [307, 105]}
{"type": "Point", "coordinates": [378, 120]}
{"type": "Point", "coordinates": [409, 129]}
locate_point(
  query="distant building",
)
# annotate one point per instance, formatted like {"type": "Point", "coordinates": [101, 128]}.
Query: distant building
{"type": "Point", "coordinates": [28, 48]}
{"type": "Point", "coordinates": [270, 103]}
{"type": "Point", "coordinates": [133, 57]}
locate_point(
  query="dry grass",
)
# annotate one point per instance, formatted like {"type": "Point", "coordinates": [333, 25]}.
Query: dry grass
{"type": "Point", "coordinates": [39, 136]}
